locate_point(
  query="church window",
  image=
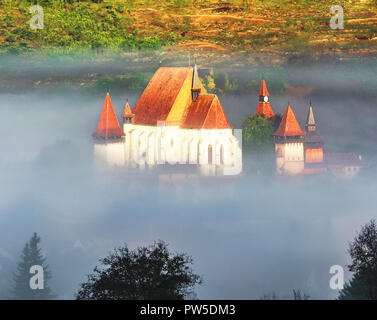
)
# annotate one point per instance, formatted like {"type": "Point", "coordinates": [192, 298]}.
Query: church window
{"type": "Point", "coordinates": [210, 154]}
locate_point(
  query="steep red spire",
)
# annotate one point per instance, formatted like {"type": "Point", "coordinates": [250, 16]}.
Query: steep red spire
{"type": "Point", "coordinates": [108, 125]}
{"type": "Point", "coordinates": [263, 89]}
{"type": "Point", "coordinates": [264, 108]}
{"type": "Point", "coordinates": [127, 111]}
{"type": "Point", "coordinates": [289, 126]}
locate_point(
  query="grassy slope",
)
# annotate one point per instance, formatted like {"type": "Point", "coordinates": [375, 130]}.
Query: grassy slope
{"type": "Point", "coordinates": [225, 35]}
{"type": "Point", "coordinates": [261, 27]}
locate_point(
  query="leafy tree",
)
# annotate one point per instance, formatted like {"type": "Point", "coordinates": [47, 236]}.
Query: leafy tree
{"type": "Point", "coordinates": [31, 255]}
{"type": "Point", "coordinates": [257, 145]}
{"type": "Point", "coordinates": [257, 131]}
{"type": "Point", "coordinates": [144, 273]}
{"type": "Point", "coordinates": [224, 83]}
{"type": "Point", "coordinates": [363, 252]}
{"type": "Point", "coordinates": [209, 81]}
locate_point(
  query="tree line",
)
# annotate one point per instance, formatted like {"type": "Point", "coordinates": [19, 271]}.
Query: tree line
{"type": "Point", "coordinates": [155, 272]}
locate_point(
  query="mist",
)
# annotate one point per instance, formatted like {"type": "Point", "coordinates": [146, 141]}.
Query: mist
{"type": "Point", "coordinates": [249, 235]}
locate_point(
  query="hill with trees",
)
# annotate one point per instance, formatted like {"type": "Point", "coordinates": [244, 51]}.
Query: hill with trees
{"type": "Point", "coordinates": [259, 29]}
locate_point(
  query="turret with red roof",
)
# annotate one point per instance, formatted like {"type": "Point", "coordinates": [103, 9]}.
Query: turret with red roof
{"type": "Point", "coordinates": [127, 114]}
{"type": "Point", "coordinates": [108, 125]}
{"type": "Point", "coordinates": [289, 145]}
{"type": "Point", "coordinates": [264, 108]}
{"type": "Point", "coordinates": [289, 127]}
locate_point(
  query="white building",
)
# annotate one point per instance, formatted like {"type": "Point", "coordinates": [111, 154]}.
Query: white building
{"type": "Point", "coordinates": [302, 153]}
{"type": "Point", "coordinates": [289, 145]}
{"type": "Point", "coordinates": [174, 122]}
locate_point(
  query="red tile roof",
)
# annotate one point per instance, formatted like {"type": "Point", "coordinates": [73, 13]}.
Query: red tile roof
{"type": "Point", "coordinates": [206, 113]}
{"type": "Point", "coordinates": [127, 111]}
{"type": "Point", "coordinates": [159, 96]}
{"type": "Point", "coordinates": [263, 89]}
{"type": "Point", "coordinates": [289, 126]}
{"type": "Point", "coordinates": [108, 125]}
{"type": "Point", "coordinates": [264, 109]}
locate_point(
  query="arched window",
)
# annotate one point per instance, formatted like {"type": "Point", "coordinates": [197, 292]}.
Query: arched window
{"type": "Point", "coordinates": [210, 154]}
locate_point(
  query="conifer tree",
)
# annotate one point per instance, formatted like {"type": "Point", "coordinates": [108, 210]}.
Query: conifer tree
{"type": "Point", "coordinates": [354, 289]}
{"type": "Point", "coordinates": [31, 256]}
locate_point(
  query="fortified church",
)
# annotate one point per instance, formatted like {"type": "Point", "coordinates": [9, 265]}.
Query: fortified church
{"type": "Point", "coordinates": [175, 121]}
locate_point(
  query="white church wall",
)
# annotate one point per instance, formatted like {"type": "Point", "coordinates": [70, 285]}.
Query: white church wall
{"type": "Point", "coordinates": [290, 158]}
{"type": "Point", "coordinates": [235, 154]}
{"type": "Point", "coordinates": [194, 150]}
{"type": "Point", "coordinates": [110, 152]}
{"type": "Point", "coordinates": [294, 151]}
{"type": "Point", "coordinates": [147, 146]}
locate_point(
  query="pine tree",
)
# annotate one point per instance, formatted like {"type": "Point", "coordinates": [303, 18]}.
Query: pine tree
{"type": "Point", "coordinates": [31, 255]}
{"type": "Point", "coordinates": [354, 289]}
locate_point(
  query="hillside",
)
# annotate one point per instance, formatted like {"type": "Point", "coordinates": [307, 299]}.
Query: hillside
{"type": "Point", "coordinates": [267, 30]}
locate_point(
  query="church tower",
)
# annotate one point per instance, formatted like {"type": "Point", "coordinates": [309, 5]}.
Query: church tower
{"type": "Point", "coordinates": [127, 114]}
{"type": "Point", "coordinates": [313, 143]}
{"type": "Point", "coordinates": [264, 108]}
{"type": "Point", "coordinates": [289, 145]}
{"type": "Point", "coordinates": [109, 136]}
{"type": "Point", "coordinates": [196, 85]}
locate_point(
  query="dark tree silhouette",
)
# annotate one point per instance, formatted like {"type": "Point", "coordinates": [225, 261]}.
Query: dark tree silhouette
{"type": "Point", "coordinates": [31, 255]}
{"type": "Point", "coordinates": [144, 273]}
{"type": "Point", "coordinates": [354, 289]}
{"type": "Point", "coordinates": [363, 252]}
{"type": "Point", "coordinates": [297, 295]}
